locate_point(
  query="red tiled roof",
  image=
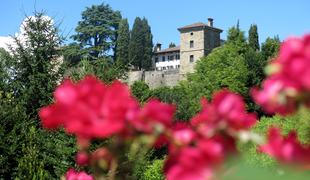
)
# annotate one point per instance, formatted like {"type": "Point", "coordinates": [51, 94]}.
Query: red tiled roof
{"type": "Point", "coordinates": [198, 24]}
{"type": "Point", "coordinates": [177, 48]}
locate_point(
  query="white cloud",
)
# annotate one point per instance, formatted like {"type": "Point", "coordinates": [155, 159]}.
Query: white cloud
{"type": "Point", "coordinates": [5, 41]}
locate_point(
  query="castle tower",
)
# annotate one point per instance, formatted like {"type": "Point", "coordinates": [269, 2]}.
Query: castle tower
{"type": "Point", "coordinates": [197, 40]}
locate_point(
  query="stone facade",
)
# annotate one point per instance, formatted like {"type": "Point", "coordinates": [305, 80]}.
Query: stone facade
{"type": "Point", "coordinates": [171, 65]}
{"type": "Point", "coordinates": [155, 79]}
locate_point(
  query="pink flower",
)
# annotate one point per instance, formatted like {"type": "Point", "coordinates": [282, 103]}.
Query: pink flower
{"type": "Point", "coordinates": [74, 175]}
{"type": "Point", "coordinates": [82, 158]}
{"type": "Point", "coordinates": [154, 116]}
{"type": "Point", "coordinates": [180, 135]}
{"type": "Point", "coordinates": [277, 95]}
{"type": "Point", "coordinates": [183, 134]}
{"type": "Point", "coordinates": [288, 84]}
{"type": "Point", "coordinates": [89, 108]}
{"type": "Point", "coordinates": [199, 158]}
{"type": "Point", "coordinates": [285, 149]}
{"type": "Point", "coordinates": [227, 111]}
{"type": "Point", "coordinates": [188, 164]}
{"type": "Point", "coordinates": [102, 158]}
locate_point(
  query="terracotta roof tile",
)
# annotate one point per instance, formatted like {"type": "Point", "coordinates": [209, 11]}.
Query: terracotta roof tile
{"type": "Point", "coordinates": [177, 48]}
{"type": "Point", "coordinates": [199, 24]}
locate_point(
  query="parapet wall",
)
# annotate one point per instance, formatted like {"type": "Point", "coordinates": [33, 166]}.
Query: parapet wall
{"type": "Point", "coordinates": [154, 79]}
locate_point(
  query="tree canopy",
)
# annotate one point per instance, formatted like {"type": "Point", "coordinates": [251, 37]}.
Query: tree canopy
{"type": "Point", "coordinates": [123, 40]}
{"type": "Point", "coordinates": [224, 67]}
{"type": "Point", "coordinates": [253, 37]}
{"type": "Point", "coordinates": [97, 31]}
{"type": "Point", "coordinates": [141, 44]}
{"type": "Point", "coordinates": [271, 47]}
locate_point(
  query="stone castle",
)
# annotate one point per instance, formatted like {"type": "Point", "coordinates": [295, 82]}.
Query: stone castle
{"type": "Point", "coordinates": [171, 65]}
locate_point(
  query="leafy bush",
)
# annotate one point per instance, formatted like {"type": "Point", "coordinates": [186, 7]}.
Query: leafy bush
{"type": "Point", "coordinates": [298, 122]}
{"type": "Point", "coordinates": [154, 170]}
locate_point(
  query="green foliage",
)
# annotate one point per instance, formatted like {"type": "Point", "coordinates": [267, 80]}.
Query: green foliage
{"type": "Point", "coordinates": [154, 171]}
{"type": "Point", "coordinates": [102, 68]}
{"type": "Point", "coordinates": [72, 53]}
{"type": "Point", "coordinates": [171, 45]}
{"type": "Point", "coordinates": [97, 31]}
{"type": "Point", "coordinates": [179, 96]}
{"type": "Point", "coordinates": [136, 44]}
{"type": "Point", "coordinates": [141, 45]}
{"type": "Point", "coordinates": [36, 65]}
{"type": "Point", "coordinates": [5, 57]}
{"type": "Point", "coordinates": [148, 45]}
{"type": "Point", "coordinates": [122, 51]}
{"type": "Point", "coordinates": [239, 170]}
{"type": "Point", "coordinates": [253, 38]}
{"type": "Point", "coordinates": [27, 151]}
{"type": "Point", "coordinates": [140, 90]}
{"type": "Point", "coordinates": [255, 64]}
{"type": "Point", "coordinates": [298, 122]}
{"type": "Point", "coordinates": [236, 38]}
{"type": "Point", "coordinates": [224, 67]}
{"type": "Point", "coordinates": [270, 47]}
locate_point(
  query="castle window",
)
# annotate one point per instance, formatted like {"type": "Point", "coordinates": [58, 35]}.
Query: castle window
{"type": "Point", "coordinates": [177, 56]}
{"type": "Point", "coordinates": [192, 33]}
{"type": "Point", "coordinates": [164, 68]}
{"type": "Point", "coordinates": [156, 59]}
{"type": "Point", "coordinates": [163, 58]}
{"type": "Point", "coordinates": [191, 44]}
{"type": "Point", "coordinates": [191, 58]}
{"type": "Point", "coordinates": [171, 57]}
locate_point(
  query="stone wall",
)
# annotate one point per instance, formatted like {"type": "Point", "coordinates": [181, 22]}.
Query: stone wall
{"type": "Point", "coordinates": [154, 79]}
{"type": "Point", "coordinates": [197, 36]}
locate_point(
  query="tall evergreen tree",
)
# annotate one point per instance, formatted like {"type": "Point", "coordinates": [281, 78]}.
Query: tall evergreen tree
{"type": "Point", "coordinates": [136, 44]}
{"type": "Point", "coordinates": [97, 31]}
{"type": "Point", "coordinates": [237, 38]}
{"type": "Point", "coordinates": [171, 45]}
{"type": "Point", "coordinates": [36, 62]}
{"type": "Point", "coordinates": [4, 72]}
{"type": "Point", "coordinates": [147, 44]}
{"type": "Point", "coordinates": [30, 153]}
{"type": "Point", "coordinates": [123, 40]}
{"type": "Point", "coordinates": [253, 37]}
{"type": "Point", "coordinates": [271, 47]}
{"type": "Point", "coordinates": [141, 44]}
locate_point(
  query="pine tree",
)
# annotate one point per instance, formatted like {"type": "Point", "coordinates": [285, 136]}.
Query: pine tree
{"type": "Point", "coordinates": [36, 62]}
{"type": "Point", "coordinates": [31, 153]}
{"type": "Point", "coordinates": [171, 45]}
{"type": "Point", "coordinates": [148, 45]}
{"type": "Point", "coordinates": [253, 38]}
{"type": "Point", "coordinates": [123, 40]}
{"type": "Point", "coordinates": [236, 37]}
{"type": "Point", "coordinates": [136, 44]}
{"type": "Point", "coordinates": [271, 47]}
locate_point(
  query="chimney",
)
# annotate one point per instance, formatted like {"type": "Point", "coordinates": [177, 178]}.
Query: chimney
{"type": "Point", "coordinates": [210, 22]}
{"type": "Point", "coordinates": [158, 47]}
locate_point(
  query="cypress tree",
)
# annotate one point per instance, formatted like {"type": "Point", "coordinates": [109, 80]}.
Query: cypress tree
{"type": "Point", "coordinates": [171, 45]}
{"type": "Point", "coordinates": [141, 45]}
{"type": "Point", "coordinates": [122, 52]}
{"type": "Point", "coordinates": [253, 37]}
{"type": "Point", "coordinates": [147, 45]}
{"type": "Point", "coordinates": [136, 44]}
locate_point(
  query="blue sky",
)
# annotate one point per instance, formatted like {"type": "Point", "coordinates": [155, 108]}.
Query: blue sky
{"type": "Point", "coordinates": [273, 17]}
